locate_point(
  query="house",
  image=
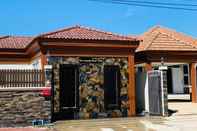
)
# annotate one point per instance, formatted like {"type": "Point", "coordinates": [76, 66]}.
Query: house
{"type": "Point", "coordinates": [100, 72]}
{"type": "Point", "coordinates": [175, 50]}
{"type": "Point", "coordinates": [92, 70]}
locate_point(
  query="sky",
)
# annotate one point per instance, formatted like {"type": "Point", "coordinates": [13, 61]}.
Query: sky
{"type": "Point", "coordinates": [33, 17]}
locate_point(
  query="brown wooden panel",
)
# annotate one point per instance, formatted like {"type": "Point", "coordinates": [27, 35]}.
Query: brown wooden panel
{"type": "Point", "coordinates": [193, 81]}
{"type": "Point", "coordinates": [169, 56]}
{"type": "Point", "coordinates": [131, 88]}
{"type": "Point", "coordinates": [148, 66]}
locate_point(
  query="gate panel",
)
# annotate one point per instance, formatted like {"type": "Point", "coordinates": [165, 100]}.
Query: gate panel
{"type": "Point", "coordinates": [155, 93]}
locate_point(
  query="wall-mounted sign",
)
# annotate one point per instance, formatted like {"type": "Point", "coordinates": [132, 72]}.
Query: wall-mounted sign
{"type": "Point", "coordinates": [91, 59]}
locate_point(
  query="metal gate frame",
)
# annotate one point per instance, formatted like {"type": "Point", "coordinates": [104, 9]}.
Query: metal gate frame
{"type": "Point", "coordinates": [147, 105]}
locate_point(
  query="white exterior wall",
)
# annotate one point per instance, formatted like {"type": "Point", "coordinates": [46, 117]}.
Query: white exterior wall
{"type": "Point", "coordinates": [36, 64]}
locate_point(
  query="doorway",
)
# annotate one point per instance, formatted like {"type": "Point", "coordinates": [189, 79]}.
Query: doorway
{"type": "Point", "coordinates": [112, 87]}
{"type": "Point", "coordinates": [69, 91]}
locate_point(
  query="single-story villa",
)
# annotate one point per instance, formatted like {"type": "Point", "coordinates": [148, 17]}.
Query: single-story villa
{"type": "Point", "coordinates": [91, 72]}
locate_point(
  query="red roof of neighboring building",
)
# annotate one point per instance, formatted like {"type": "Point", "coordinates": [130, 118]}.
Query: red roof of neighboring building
{"type": "Point", "coordinates": [84, 33]}
{"type": "Point", "coordinates": [14, 42]}
{"type": "Point", "coordinates": [164, 39]}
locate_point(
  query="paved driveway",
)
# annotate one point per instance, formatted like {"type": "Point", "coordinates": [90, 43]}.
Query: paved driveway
{"type": "Point", "coordinates": [175, 123]}
{"type": "Point", "coordinates": [23, 129]}
{"type": "Point", "coordinates": [184, 120]}
{"type": "Point", "coordinates": [183, 108]}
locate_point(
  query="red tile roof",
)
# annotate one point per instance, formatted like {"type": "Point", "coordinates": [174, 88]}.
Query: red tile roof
{"type": "Point", "coordinates": [164, 39]}
{"type": "Point", "coordinates": [14, 42]}
{"type": "Point", "coordinates": [84, 33]}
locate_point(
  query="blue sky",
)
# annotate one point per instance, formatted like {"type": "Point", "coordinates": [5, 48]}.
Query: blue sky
{"type": "Point", "coordinates": [32, 17]}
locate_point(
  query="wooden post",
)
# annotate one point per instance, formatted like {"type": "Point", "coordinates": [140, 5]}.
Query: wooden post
{"type": "Point", "coordinates": [131, 87]}
{"type": "Point", "coordinates": [148, 66]}
{"type": "Point", "coordinates": [193, 81]}
{"type": "Point", "coordinates": [43, 60]}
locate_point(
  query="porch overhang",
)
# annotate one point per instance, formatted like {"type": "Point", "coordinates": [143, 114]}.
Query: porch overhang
{"type": "Point", "coordinates": [88, 47]}
{"type": "Point", "coordinates": [168, 56]}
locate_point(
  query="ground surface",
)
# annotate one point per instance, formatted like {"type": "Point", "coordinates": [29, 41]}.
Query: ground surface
{"type": "Point", "coordinates": [183, 120]}
{"type": "Point", "coordinates": [183, 108]}
{"type": "Point", "coordinates": [175, 123]}
{"type": "Point", "coordinates": [23, 129]}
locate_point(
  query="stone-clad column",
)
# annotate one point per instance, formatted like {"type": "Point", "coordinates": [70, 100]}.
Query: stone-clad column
{"type": "Point", "coordinates": [48, 84]}
{"type": "Point", "coordinates": [165, 92]}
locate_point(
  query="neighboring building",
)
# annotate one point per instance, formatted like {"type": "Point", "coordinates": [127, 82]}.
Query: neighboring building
{"type": "Point", "coordinates": [175, 50]}
{"type": "Point", "coordinates": [14, 55]}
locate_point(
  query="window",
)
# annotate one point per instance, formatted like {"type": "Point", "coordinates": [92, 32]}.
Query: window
{"type": "Point", "coordinates": [186, 74]}
{"type": "Point", "coordinates": [186, 80]}
{"type": "Point", "coordinates": [185, 69]}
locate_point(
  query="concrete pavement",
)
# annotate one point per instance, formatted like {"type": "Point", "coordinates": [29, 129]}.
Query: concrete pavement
{"type": "Point", "coordinates": [174, 123]}
{"type": "Point", "coordinates": [185, 119]}
{"type": "Point", "coordinates": [183, 108]}
{"type": "Point", "coordinates": [24, 129]}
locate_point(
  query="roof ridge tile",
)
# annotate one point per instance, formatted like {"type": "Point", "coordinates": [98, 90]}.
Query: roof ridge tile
{"type": "Point", "coordinates": [87, 33]}
{"type": "Point", "coordinates": [59, 30]}
{"type": "Point", "coordinates": [106, 32]}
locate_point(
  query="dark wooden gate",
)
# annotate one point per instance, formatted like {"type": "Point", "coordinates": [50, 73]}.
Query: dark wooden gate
{"type": "Point", "coordinates": [69, 91]}
{"type": "Point", "coordinates": [155, 92]}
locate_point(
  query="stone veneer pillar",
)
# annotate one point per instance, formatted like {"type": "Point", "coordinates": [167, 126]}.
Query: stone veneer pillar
{"type": "Point", "coordinates": [48, 83]}
{"type": "Point", "coordinates": [165, 92]}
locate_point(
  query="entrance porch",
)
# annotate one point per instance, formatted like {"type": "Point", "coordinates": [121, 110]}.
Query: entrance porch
{"type": "Point", "coordinates": [91, 78]}
{"type": "Point", "coordinates": [90, 87]}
